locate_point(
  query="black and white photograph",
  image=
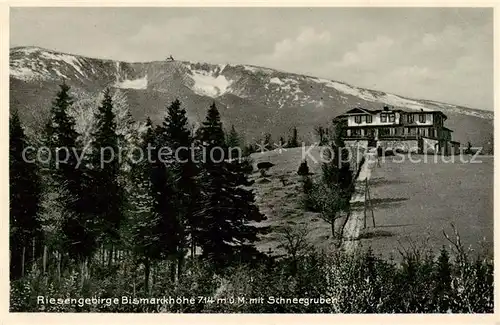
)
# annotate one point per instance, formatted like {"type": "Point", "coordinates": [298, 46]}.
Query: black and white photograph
{"type": "Point", "coordinates": [251, 160]}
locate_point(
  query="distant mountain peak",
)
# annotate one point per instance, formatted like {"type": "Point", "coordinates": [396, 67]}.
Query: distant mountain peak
{"type": "Point", "coordinates": [270, 98]}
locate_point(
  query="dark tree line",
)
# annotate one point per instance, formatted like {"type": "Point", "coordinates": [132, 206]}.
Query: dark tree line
{"type": "Point", "coordinates": [25, 195]}
{"type": "Point", "coordinates": [186, 220]}
{"type": "Point", "coordinates": [85, 204]}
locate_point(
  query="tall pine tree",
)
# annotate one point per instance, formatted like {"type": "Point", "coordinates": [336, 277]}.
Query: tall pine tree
{"type": "Point", "coordinates": [66, 179]}
{"type": "Point", "coordinates": [180, 140]}
{"type": "Point", "coordinates": [164, 183]}
{"type": "Point", "coordinates": [233, 139]}
{"type": "Point", "coordinates": [102, 177]}
{"type": "Point", "coordinates": [228, 206]}
{"type": "Point", "coordinates": [143, 223]}
{"type": "Point", "coordinates": [293, 142]}
{"type": "Point", "coordinates": [24, 191]}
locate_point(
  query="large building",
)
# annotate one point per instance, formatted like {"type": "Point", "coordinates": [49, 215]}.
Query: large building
{"type": "Point", "coordinates": [408, 131]}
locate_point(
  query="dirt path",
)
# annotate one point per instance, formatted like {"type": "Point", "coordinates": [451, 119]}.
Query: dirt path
{"type": "Point", "coordinates": [354, 224]}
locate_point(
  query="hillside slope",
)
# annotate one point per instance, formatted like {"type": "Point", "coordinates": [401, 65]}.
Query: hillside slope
{"type": "Point", "coordinates": [255, 99]}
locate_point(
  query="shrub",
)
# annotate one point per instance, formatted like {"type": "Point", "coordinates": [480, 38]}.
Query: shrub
{"type": "Point", "coordinates": [303, 169]}
{"type": "Point", "coordinates": [389, 152]}
{"type": "Point", "coordinates": [358, 283]}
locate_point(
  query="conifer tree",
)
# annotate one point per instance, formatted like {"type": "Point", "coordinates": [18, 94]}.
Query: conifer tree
{"type": "Point", "coordinates": [102, 183]}
{"type": "Point", "coordinates": [164, 181]}
{"type": "Point", "coordinates": [211, 133]}
{"type": "Point", "coordinates": [143, 222]}
{"type": "Point", "coordinates": [227, 206]}
{"type": "Point", "coordinates": [442, 280]}
{"type": "Point", "coordinates": [293, 142]}
{"type": "Point", "coordinates": [24, 191]}
{"type": "Point", "coordinates": [322, 133]}
{"type": "Point", "coordinates": [235, 149]}
{"type": "Point", "coordinates": [180, 141]}
{"type": "Point", "coordinates": [66, 179]}
{"type": "Point", "coordinates": [233, 139]}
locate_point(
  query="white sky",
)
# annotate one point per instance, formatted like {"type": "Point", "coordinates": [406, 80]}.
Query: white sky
{"type": "Point", "coordinates": [431, 53]}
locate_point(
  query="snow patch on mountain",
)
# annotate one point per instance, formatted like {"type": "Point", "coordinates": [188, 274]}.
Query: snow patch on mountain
{"type": "Point", "coordinates": [250, 68]}
{"type": "Point", "coordinates": [388, 99]}
{"type": "Point", "coordinates": [346, 89]}
{"type": "Point", "coordinates": [28, 50]}
{"type": "Point", "coordinates": [276, 80]}
{"type": "Point", "coordinates": [460, 110]}
{"type": "Point", "coordinates": [207, 84]}
{"type": "Point", "coordinates": [69, 59]}
{"type": "Point", "coordinates": [141, 83]}
{"type": "Point", "coordinates": [255, 69]}
{"type": "Point", "coordinates": [291, 81]}
{"type": "Point", "coordinates": [354, 91]}
{"type": "Point", "coordinates": [394, 100]}
{"type": "Point", "coordinates": [23, 73]}
{"type": "Point", "coordinates": [287, 86]}
{"type": "Point", "coordinates": [59, 73]}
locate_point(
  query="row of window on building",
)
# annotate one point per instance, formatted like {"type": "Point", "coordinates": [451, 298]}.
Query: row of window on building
{"type": "Point", "coordinates": [391, 117]}
{"type": "Point", "coordinates": [401, 131]}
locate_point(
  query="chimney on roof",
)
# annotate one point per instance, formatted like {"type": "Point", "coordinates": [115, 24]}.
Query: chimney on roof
{"type": "Point", "coordinates": [421, 109]}
{"type": "Point", "coordinates": [386, 108]}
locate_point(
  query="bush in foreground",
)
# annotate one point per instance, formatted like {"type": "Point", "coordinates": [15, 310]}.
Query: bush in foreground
{"type": "Point", "coordinates": [358, 283]}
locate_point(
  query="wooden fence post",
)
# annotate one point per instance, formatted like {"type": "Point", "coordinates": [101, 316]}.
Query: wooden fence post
{"type": "Point", "coordinates": [365, 203]}
{"type": "Point", "coordinates": [370, 199]}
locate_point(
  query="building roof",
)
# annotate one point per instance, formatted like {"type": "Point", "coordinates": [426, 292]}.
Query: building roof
{"type": "Point", "coordinates": [361, 110]}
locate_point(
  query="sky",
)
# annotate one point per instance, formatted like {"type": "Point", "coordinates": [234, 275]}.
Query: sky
{"type": "Point", "coordinates": [443, 54]}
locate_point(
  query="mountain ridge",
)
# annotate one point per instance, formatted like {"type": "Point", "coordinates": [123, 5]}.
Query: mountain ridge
{"type": "Point", "coordinates": [274, 100]}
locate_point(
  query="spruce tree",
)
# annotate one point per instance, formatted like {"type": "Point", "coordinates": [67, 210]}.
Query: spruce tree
{"type": "Point", "coordinates": [24, 191]}
{"type": "Point", "coordinates": [228, 206]}
{"type": "Point", "coordinates": [143, 223]}
{"type": "Point", "coordinates": [211, 133]}
{"type": "Point", "coordinates": [293, 142]}
{"type": "Point", "coordinates": [233, 139]}
{"type": "Point", "coordinates": [102, 183]}
{"type": "Point", "coordinates": [235, 149]}
{"type": "Point", "coordinates": [180, 141]}
{"type": "Point", "coordinates": [164, 183]}
{"type": "Point", "coordinates": [442, 282]}
{"type": "Point", "coordinates": [322, 133]}
{"type": "Point", "coordinates": [66, 179]}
